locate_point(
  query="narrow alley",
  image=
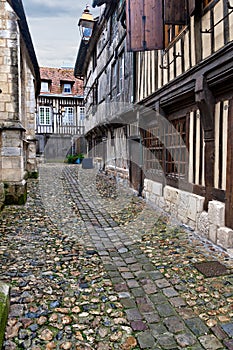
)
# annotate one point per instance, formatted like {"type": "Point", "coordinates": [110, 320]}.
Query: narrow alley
{"type": "Point", "coordinates": [94, 267]}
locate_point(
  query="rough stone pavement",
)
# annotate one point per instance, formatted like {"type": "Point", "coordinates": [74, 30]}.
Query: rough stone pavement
{"type": "Point", "coordinates": [96, 271]}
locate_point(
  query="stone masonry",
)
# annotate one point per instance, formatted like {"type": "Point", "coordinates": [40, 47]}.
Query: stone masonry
{"type": "Point", "coordinates": [18, 83]}
{"type": "Point", "coordinates": [188, 208]}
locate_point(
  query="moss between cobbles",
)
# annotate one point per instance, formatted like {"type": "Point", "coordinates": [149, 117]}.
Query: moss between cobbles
{"type": "Point", "coordinates": [4, 309]}
{"type": "Point", "coordinates": [33, 175]}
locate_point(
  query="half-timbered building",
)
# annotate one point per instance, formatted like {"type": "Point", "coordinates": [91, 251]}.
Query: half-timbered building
{"type": "Point", "coordinates": [59, 114]}
{"type": "Point", "coordinates": [177, 136]}
{"type": "Point", "coordinates": [108, 92]}
{"type": "Point", "coordinates": [186, 83]}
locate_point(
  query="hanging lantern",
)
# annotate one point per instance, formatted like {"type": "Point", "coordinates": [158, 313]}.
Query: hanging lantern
{"type": "Point", "coordinates": [86, 24]}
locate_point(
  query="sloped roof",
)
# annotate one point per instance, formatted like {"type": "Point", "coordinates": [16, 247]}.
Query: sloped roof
{"type": "Point", "coordinates": [58, 75]}
{"type": "Point", "coordinates": [79, 70]}
{"type": "Point", "coordinates": [17, 6]}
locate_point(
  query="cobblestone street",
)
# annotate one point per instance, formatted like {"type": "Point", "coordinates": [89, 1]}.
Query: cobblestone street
{"type": "Point", "coordinates": [94, 267]}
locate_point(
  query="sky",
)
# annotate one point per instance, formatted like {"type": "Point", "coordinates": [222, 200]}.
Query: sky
{"type": "Point", "coordinates": [53, 26]}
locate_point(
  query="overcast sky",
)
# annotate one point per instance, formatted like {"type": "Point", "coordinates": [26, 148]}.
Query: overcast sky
{"type": "Point", "coordinates": [54, 30]}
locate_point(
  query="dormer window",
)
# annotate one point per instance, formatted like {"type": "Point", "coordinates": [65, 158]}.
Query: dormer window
{"type": "Point", "coordinates": [67, 88]}
{"type": "Point", "coordinates": [44, 86]}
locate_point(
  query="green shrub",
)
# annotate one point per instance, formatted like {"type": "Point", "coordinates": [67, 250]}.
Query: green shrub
{"type": "Point", "coordinates": [72, 158]}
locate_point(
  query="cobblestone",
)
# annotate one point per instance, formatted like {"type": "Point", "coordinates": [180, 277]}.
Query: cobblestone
{"type": "Point", "coordinates": [89, 271]}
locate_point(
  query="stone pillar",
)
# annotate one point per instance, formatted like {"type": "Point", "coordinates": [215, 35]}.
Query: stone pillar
{"type": "Point", "coordinates": [12, 160]}
{"type": "Point", "coordinates": [32, 168]}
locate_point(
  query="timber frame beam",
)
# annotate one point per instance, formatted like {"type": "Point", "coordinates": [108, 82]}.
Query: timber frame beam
{"type": "Point", "coordinates": [229, 185]}
{"type": "Point", "coordinates": [206, 103]}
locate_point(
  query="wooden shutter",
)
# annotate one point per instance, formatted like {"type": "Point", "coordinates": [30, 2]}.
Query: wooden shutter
{"type": "Point", "coordinates": [144, 25]}
{"type": "Point", "coordinates": [175, 12]}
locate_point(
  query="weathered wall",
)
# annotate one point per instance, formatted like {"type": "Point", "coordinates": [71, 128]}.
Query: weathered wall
{"type": "Point", "coordinates": [17, 106]}
{"type": "Point", "coordinates": [188, 208]}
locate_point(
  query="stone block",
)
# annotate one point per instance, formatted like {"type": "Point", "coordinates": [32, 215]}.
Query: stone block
{"type": "Point", "coordinates": [12, 175]}
{"type": "Point", "coordinates": [203, 224]}
{"type": "Point", "coordinates": [152, 197]}
{"type": "Point", "coordinates": [167, 206]}
{"type": "Point", "coordinates": [174, 210]}
{"type": "Point", "coordinates": [184, 199]}
{"type": "Point", "coordinates": [213, 233]}
{"type": "Point", "coordinates": [145, 185]}
{"type": "Point", "coordinates": [157, 188]}
{"type": "Point", "coordinates": [146, 195]}
{"type": "Point", "coordinates": [4, 309]}
{"type": "Point", "coordinates": [216, 212]}
{"type": "Point", "coordinates": [195, 206]}
{"type": "Point", "coordinates": [192, 224]}
{"type": "Point", "coordinates": [163, 204]}
{"type": "Point", "coordinates": [2, 107]}
{"type": "Point", "coordinates": [148, 185]}
{"type": "Point", "coordinates": [225, 237]}
{"type": "Point", "coordinates": [182, 218]}
{"type": "Point", "coordinates": [11, 151]}
{"type": "Point", "coordinates": [171, 194]}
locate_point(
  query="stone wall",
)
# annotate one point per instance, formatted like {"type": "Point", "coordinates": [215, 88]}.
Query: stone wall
{"type": "Point", "coordinates": [188, 208]}
{"type": "Point", "coordinates": [17, 107]}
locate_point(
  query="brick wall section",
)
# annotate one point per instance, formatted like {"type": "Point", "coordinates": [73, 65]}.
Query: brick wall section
{"type": "Point", "coordinates": [58, 75]}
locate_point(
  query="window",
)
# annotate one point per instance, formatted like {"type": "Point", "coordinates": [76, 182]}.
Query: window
{"type": "Point", "coordinates": [165, 151]}
{"type": "Point", "coordinates": [95, 94]}
{"type": "Point", "coordinates": [154, 153]}
{"type": "Point", "coordinates": [171, 32]}
{"type": "Point", "coordinates": [176, 151]}
{"type": "Point", "coordinates": [82, 113]}
{"type": "Point", "coordinates": [45, 116]}
{"type": "Point", "coordinates": [44, 86]}
{"type": "Point", "coordinates": [68, 117]}
{"type": "Point", "coordinates": [120, 73]}
{"type": "Point", "coordinates": [113, 79]}
{"type": "Point", "coordinates": [67, 88]}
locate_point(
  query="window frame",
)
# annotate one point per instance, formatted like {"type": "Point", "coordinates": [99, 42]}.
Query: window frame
{"type": "Point", "coordinates": [82, 113]}
{"type": "Point", "coordinates": [177, 30]}
{"type": "Point", "coordinates": [120, 73]}
{"type": "Point", "coordinates": [165, 152]}
{"type": "Point", "coordinates": [47, 117]}
{"type": "Point", "coordinates": [176, 164]}
{"type": "Point", "coordinates": [43, 84]}
{"type": "Point", "coordinates": [68, 116]}
{"type": "Point", "coordinates": [65, 86]}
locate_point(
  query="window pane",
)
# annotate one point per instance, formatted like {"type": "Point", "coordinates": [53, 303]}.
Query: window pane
{"type": "Point", "coordinates": [44, 86]}
{"type": "Point", "coordinates": [171, 32]}
{"type": "Point", "coordinates": [44, 116]}
{"type": "Point", "coordinates": [82, 113]}
{"type": "Point", "coordinates": [67, 89]}
{"type": "Point", "coordinates": [68, 118]}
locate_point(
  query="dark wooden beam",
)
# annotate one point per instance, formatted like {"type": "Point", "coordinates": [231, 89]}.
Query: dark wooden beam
{"type": "Point", "coordinates": [206, 104]}
{"type": "Point", "coordinates": [229, 185]}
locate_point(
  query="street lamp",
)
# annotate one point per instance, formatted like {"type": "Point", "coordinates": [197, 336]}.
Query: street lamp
{"type": "Point", "coordinates": [86, 24]}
